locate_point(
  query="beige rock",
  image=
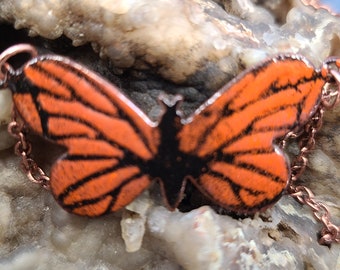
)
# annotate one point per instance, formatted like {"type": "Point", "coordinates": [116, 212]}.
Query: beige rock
{"type": "Point", "coordinates": [193, 43]}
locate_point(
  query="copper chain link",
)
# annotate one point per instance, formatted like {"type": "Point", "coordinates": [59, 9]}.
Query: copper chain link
{"type": "Point", "coordinates": [330, 233]}
{"type": "Point", "coordinates": [23, 149]}
{"type": "Point", "coordinates": [16, 127]}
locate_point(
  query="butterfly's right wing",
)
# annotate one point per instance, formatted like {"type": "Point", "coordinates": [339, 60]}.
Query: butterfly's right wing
{"type": "Point", "coordinates": [106, 136]}
{"type": "Point", "coordinates": [235, 130]}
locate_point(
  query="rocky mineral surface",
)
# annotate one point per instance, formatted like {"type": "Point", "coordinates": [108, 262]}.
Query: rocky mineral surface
{"type": "Point", "coordinates": [190, 47]}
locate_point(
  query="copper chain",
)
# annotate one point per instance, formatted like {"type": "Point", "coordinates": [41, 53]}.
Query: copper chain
{"type": "Point", "coordinates": [17, 128]}
{"type": "Point", "coordinates": [330, 233]}
{"type": "Point", "coordinates": [23, 149]}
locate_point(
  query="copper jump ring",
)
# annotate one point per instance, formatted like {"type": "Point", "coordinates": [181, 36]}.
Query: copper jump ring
{"type": "Point", "coordinates": [10, 52]}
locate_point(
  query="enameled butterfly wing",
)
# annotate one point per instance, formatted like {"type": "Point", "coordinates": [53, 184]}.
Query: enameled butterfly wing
{"type": "Point", "coordinates": [114, 151]}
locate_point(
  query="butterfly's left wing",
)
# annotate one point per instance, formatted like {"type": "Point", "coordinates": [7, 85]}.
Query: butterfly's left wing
{"type": "Point", "coordinates": [106, 136]}
{"type": "Point", "coordinates": [235, 129]}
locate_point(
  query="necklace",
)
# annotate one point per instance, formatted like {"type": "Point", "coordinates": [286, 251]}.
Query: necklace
{"type": "Point", "coordinates": [231, 148]}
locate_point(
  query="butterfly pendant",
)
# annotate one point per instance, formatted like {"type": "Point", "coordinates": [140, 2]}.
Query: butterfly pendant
{"type": "Point", "coordinates": [114, 151]}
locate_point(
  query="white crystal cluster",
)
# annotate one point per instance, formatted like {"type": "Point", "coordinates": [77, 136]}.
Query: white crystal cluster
{"type": "Point", "coordinates": [177, 37]}
{"type": "Point", "coordinates": [197, 41]}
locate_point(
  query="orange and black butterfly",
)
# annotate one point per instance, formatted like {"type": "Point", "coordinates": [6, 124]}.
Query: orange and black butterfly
{"type": "Point", "coordinates": [114, 151]}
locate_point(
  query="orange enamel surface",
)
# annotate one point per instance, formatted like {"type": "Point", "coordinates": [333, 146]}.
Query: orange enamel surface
{"type": "Point", "coordinates": [272, 163]}
{"type": "Point", "coordinates": [135, 115]}
{"type": "Point", "coordinates": [87, 147]}
{"type": "Point", "coordinates": [101, 185]}
{"type": "Point", "coordinates": [270, 93]}
{"type": "Point", "coordinates": [25, 106]}
{"type": "Point", "coordinates": [252, 142]}
{"type": "Point", "coordinates": [250, 179]}
{"type": "Point", "coordinates": [150, 133]}
{"type": "Point", "coordinates": [47, 82]}
{"type": "Point", "coordinates": [250, 199]}
{"type": "Point", "coordinates": [65, 173]}
{"type": "Point", "coordinates": [65, 78]}
{"type": "Point", "coordinates": [224, 131]}
{"type": "Point", "coordinates": [190, 135]}
{"type": "Point", "coordinates": [313, 94]}
{"type": "Point", "coordinates": [95, 209]}
{"type": "Point", "coordinates": [279, 120]}
{"type": "Point", "coordinates": [82, 90]}
{"type": "Point", "coordinates": [102, 95]}
{"type": "Point", "coordinates": [59, 126]}
{"type": "Point", "coordinates": [115, 129]}
{"type": "Point", "coordinates": [94, 120]}
{"type": "Point", "coordinates": [288, 71]}
{"type": "Point", "coordinates": [98, 125]}
{"type": "Point", "coordinates": [252, 88]}
{"type": "Point", "coordinates": [190, 139]}
{"type": "Point", "coordinates": [232, 126]}
{"type": "Point", "coordinates": [278, 74]}
{"type": "Point", "coordinates": [131, 191]}
{"type": "Point", "coordinates": [289, 97]}
{"type": "Point", "coordinates": [211, 186]}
